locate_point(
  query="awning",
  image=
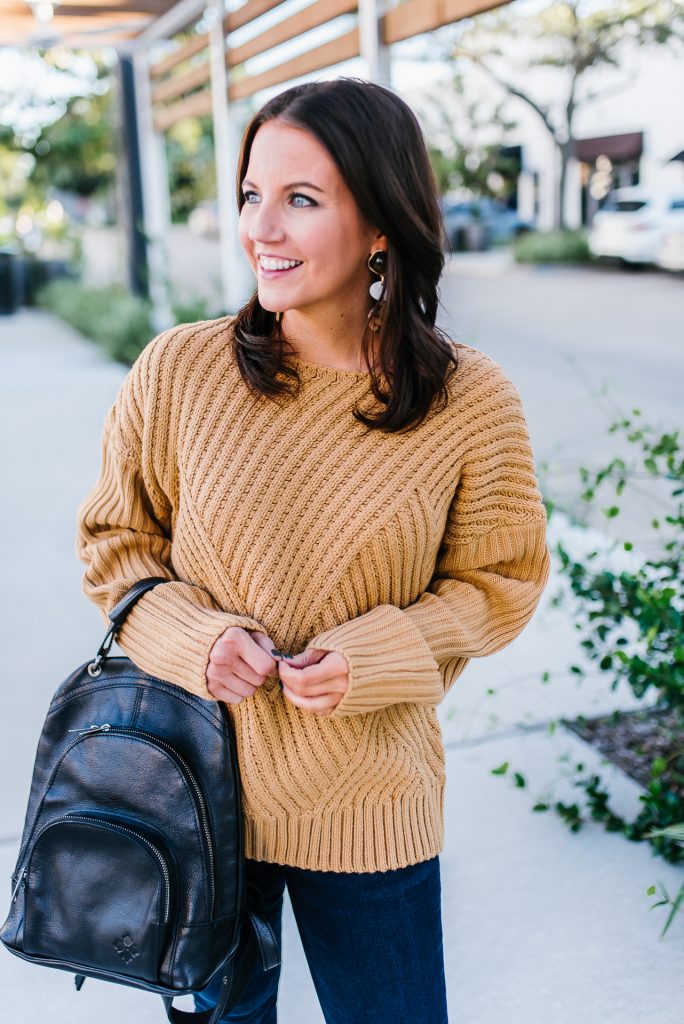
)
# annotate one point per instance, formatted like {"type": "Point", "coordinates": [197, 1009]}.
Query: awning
{"type": "Point", "coordinates": [627, 146]}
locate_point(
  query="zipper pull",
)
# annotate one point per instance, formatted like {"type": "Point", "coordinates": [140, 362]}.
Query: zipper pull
{"type": "Point", "coordinates": [93, 728]}
{"type": "Point", "coordinates": [21, 883]}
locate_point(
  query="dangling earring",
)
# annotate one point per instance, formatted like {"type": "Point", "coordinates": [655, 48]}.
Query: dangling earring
{"type": "Point", "coordinates": [377, 264]}
{"type": "Point", "coordinates": [277, 317]}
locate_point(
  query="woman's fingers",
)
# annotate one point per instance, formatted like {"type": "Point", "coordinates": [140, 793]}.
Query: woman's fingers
{"type": "Point", "coordinates": [238, 664]}
{"type": "Point", "coordinates": [235, 683]}
{"type": "Point", "coordinates": [323, 705]}
{"type": "Point", "coordinates": [320, 686]}
{"type": "Point", "coordinates": [232, 693]}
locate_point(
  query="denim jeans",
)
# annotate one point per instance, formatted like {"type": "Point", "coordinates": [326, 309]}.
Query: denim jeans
{"type": "Point", "coordinates": [373, 942]}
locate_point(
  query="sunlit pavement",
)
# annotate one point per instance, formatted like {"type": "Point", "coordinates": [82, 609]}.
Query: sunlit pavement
{"type": "Point", "coordinates": [541, 925]}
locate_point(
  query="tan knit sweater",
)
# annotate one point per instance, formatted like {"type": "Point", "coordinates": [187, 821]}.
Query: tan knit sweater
{"type": "Point", "coordinates": [409, 554]}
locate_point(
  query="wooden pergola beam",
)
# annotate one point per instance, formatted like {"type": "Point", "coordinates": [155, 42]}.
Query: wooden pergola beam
{"type": "Point", "coordinates": [318, 13]}
{"type": "Point", "coordinates": [90, 7]}
{"type": "Point", "coordinates": [250, 11]}
{"type": "Point", "coordinates": [24, 28]}
{"type": "Point", "coordinates": [194, 106]}
{"type": "Point", "coordinates": [84, 10]}
{"type": "Point", "coordinates": [415, 17]}
{"type": "Point", "coordinates": [179, 85]}
{"type": "Point", "coordinates": [184, 52]}
{"type": "Point", "coordinates": [344, 47]}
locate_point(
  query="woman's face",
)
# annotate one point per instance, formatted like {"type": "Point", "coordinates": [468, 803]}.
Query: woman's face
{"type": "Point", "coordinates": [298, 209]}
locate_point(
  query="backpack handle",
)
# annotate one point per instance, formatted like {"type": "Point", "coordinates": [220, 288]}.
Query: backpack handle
{"type": "Point", "coordinates": [132, 596]}
{"type": "Point", "coordinates": [117, 615]}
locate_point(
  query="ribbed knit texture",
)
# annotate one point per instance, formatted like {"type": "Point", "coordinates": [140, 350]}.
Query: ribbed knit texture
{"type": "Point", "coordinates": [408, 553]}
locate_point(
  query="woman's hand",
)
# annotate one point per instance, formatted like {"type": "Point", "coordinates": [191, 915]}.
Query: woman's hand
{"type": "Point", "coordinates": [315, 680]}
{"type": "Point", "coordinates": [239, 662]}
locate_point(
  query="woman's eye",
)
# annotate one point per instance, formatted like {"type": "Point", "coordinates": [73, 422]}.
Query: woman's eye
{"type": "Point", "coordinates": [247, 196]}
{"type": "Point", "coordinates": [307, 201]}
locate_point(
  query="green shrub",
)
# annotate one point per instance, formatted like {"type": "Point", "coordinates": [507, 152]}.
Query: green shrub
{"type": "Point", "coordinates": [552, 247]}
{"type": "Point", "coordinates": [631, 622]}
{"type": "Point", "coordinates": [113, 317]}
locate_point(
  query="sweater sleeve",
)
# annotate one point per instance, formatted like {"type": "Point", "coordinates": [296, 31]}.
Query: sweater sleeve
{"type": "Point", "coordinates": [124, 534]}
{"type": "Point", "coordinates": [491, 568]}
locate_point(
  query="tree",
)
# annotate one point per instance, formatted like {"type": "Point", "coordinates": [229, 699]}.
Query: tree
{"type": "Point", "coordinates": [77, 153]}
{"type": "Point", "coordinates": [454, 123]}
{"type": "Point", "coordinates": [572, 38]}
{"type": "Point", "coordinates": [190, 156]}
{"type": "Point", "coordinates": [66, 142]}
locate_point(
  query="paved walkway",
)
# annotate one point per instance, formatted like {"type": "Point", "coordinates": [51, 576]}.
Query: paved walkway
{"type": "Point", "coordinates": [541, 926]}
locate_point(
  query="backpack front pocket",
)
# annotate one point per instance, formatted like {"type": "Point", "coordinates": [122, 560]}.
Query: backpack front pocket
{"type": "Point", "coordinates": [100, 893]}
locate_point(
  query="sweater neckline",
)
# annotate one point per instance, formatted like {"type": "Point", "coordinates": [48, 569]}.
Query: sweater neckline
{"type": "Point", "coordinates": [308, 369]}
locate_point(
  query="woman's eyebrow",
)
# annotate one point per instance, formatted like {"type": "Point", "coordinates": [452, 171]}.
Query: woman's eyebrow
{"type": "Point", "coordinates": [293, 184]}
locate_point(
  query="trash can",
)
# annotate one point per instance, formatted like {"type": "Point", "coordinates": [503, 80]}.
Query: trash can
{"type": "Point", "coordinates": [9, 284]}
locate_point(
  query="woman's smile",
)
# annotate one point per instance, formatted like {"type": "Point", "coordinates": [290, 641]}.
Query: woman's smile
{"type": "Point", "coordinates": [275, 266]}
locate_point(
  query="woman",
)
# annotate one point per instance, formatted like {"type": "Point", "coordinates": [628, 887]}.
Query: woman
{"type": "Point", "coordinates": [347, 504]}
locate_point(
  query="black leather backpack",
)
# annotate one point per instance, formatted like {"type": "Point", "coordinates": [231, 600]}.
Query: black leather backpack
{"type": "Point", "coordinates": [131, 866]}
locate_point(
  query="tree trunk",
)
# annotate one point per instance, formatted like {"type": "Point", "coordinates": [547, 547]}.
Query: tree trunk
{"type": "Point", "coordinates": [565, 150]}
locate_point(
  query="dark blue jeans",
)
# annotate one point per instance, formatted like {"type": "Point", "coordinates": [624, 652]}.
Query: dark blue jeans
{"type": "Point", "coordinates": [373, 942]}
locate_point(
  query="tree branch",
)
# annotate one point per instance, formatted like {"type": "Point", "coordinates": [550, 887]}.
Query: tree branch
{"type": "Point", "coordinates": [512, 90]}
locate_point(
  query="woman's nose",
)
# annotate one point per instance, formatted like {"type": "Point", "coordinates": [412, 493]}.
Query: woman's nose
{"type": "Point", "coordinates": [265, 225]}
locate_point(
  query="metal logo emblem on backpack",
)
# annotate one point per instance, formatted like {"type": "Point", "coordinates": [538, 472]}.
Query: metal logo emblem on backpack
{"type": "Point", "coordinates": [126, 949]}
{"type": "Point", "coordinates": [135, 789]}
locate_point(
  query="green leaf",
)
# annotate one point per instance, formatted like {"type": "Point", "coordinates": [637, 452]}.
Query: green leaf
{"type": "Point", "coordinates": [519, 780]}
{"type": "Point", "coordinates": [501, 770]}
{"type": "Point", "coordinates": [651, 890]}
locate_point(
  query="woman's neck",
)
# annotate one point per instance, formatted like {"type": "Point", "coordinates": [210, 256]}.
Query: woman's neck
{"type": "Point", "coordinates": [333, 340]}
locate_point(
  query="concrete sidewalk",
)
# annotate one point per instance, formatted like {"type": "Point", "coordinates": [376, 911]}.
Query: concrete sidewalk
{"type": "Point", "coordinates": [541, 926]}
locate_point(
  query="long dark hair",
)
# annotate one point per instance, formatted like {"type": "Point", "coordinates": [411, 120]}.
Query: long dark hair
{"type": "Point", "coordinates": [379, 149]}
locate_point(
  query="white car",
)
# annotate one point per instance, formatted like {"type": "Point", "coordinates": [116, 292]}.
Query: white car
{"type": "Point", "coordinates": [629, 226]}
{"type": "Point", "coordinates": [670, 255]}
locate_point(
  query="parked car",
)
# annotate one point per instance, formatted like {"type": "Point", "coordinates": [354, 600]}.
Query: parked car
{"type": "Point", "coordinates": [670, 255]}
{"type": "Point", "coordinates": [630, 224]}
{"type": "Point", "coordinates": [478, 223]}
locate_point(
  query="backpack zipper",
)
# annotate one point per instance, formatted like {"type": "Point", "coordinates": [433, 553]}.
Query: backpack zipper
{"type": "Point", "coordinates": [198, 792]}
{"type": "Point", "coordinates": [103, 821]}
{"type": "Point", "coordinates": [21, 881]}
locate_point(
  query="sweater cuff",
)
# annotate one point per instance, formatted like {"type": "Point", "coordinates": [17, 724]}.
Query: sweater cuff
{"type": "Point", "coordinates": [389, 662]}
{"type": "Point", "coordinates": [170, 635]}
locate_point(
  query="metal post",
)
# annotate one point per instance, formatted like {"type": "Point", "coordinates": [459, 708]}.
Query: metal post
{"type": "Point", "coordinates": [374, 53]}
{"type": "Point", "coordinates": [237, 279]}
{"type": "Point", "coordinates": [156, 199]}
{"type": "Point", "coordinates": [131, 180]}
